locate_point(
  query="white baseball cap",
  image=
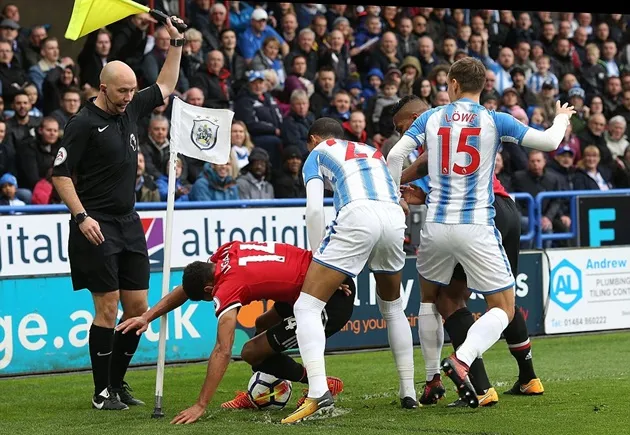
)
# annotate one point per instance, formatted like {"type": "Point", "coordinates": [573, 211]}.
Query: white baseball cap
{"type": "Point", "coordinates": [259, 14]}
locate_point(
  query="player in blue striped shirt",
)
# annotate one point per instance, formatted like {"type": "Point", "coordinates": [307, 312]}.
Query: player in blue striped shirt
{"type": "Point", "coordinates": [369, 228]}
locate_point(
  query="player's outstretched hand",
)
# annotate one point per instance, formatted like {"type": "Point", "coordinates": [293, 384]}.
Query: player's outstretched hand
{"type": "Point", "coordinates": [564, 109]}
{"type": "Point", "coordinates": [345, 288]}
{"type": "Point", "coordinates": [139, 323]}
{"type": "Point", "coordinates": [189, 415]}
{"type": "Point", "coordinates": [412, 194]}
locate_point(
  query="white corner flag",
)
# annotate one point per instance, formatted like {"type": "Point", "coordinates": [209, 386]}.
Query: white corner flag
{"type": "Point", "coordinates": [200, 133]}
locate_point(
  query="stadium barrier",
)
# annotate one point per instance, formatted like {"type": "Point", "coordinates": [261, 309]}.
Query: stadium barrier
{"type": "Point", "coordinates": [44, 325]}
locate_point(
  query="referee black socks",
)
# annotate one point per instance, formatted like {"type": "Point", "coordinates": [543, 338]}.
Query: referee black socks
{"type": "Point", "coordinates": [517, 339]}
{"type": "Point", "coordinates": [457, 326]}
{"type": "Point", "coordinates": [125, 346]}
{"type": "Point", "coordinates": [283, 367]}
{"type": "Point", "coordinates": [101, 344]}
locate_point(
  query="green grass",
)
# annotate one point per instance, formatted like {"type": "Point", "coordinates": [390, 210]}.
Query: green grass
{"type": "Point", "coordinates": [585, 378]}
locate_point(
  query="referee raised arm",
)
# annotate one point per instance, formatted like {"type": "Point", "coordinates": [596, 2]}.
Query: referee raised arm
{"type": "Point", "coordinates": [107, 248]}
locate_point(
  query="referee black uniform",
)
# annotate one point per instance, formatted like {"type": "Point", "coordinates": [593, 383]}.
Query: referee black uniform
{"type": "Point", "coordinates": [99, 151]}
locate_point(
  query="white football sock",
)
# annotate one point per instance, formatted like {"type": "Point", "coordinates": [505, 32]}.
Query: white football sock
{"type": "Point", "coordinates": [482, 335]}
{"type": "Point", "coordinates": [400, 342]}
{"type": "Point", "coordinates": [311, 340]}
{"type": "Point", "coordinates": [431, 332]}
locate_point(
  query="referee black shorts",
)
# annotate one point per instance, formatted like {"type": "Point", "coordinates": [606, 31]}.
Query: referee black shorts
{"type": "Point", "coordinates": [508, 222]}
{"type": "Point", "coordinates": [120, 262]}
{"type": "Point", "coordinates": [336, 313]}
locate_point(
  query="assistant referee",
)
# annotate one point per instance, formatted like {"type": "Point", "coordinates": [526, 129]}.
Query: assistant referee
{"type": "Point", "coordinates": [95, 174]}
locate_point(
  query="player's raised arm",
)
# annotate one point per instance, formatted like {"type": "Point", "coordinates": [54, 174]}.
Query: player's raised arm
{"type": "Point", "coordinates": [315, 218]}
{"type": "Point", "coordinates": [217, 365]}
{"type": "Point", "coordinates": [397, 155]}
{"type": "Point", "coordinates": [549, 139]}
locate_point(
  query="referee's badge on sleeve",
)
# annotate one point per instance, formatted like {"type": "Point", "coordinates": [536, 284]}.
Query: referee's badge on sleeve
{"type": "Point", "coordinates": [62, 155]}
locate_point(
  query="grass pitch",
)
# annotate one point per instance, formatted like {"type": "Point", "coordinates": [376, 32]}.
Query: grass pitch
{"type": "Point", "coordinates": [586, 380]}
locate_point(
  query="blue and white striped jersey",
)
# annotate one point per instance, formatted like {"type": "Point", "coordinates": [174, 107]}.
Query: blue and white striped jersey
{"type": "Point", "coordinates": [462, 139]}
{"type": "Point", "coordinates": [352, 170]}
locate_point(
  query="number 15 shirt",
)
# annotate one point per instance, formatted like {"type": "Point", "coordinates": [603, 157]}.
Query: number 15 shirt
{"type": "Point", "coordinates": [462, 139]}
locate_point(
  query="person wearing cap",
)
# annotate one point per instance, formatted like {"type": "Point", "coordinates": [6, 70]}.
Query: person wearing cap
{"type": "Point", "coordinates": [255, 106]}
{"type": "Point", "coordinates": [9, 31]}
{"type": "Point", "coordinates": [253, 182]}
{"type": "Point", "coordinates": [563, 165]}
{"type": "Point", "coordinates": [288, 182]}
{"type": "Point", "coordinates": [8, 189]}
{"type": "Point", "coordinates": [527, 98]}
{"type": "Point", "coordinates": [576, 97]}
{"type": "Point", "coordinates": [250, 41]}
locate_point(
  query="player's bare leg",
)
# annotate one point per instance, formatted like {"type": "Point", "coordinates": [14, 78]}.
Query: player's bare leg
{"type": "Point", "coordinates": [319, 285]}
{"type": "Point", "coordinates": [134, 303]}
{"type": "Point", "coordinates": [481, 336]}
{"type": "Point", "coordinates": [399, 334]}
{"type": "Point", "coordinates": [451, 304]}
{"type": "Point", "coordinates": [431, 333]}
{"type": "Point", "coordinates": [101, 342]}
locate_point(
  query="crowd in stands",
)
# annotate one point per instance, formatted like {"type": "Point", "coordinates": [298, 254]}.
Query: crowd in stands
{"type": "Point", "coordinates": [279, 66]}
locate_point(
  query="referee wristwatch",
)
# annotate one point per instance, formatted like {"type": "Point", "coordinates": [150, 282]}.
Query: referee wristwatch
{"type": "Point", "coordinates": [178, 42]}
{"type": "Point", "coordinates": [80, 217]}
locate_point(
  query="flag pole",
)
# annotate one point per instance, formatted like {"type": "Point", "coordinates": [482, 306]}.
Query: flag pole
{"type": "Point", "coordinates": [166, 275]}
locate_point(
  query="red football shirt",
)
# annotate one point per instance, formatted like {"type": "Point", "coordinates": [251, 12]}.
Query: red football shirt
{"type": "Point", "coordinates": [498, 187]}
{"type": "Point", "coordinates": [254, 271]}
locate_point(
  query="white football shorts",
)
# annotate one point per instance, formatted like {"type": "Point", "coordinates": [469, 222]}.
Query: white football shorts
{"type": "Point", "coordinates": [365, 232]}
{"type": "Point", "coordinates": [477, 248]}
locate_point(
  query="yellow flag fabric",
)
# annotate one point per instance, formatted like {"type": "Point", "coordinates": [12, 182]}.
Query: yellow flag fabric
{"type": "Point", "coordinates": [90, 15]}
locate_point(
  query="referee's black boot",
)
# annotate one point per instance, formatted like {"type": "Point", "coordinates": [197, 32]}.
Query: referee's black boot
{"type": "Point", "coordinates": [106, 400]}
{"type": "Point", "coordinates": [125, 396]}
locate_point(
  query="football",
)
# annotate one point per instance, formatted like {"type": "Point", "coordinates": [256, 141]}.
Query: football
{"type": "Point", "coordinates": [269, 392]}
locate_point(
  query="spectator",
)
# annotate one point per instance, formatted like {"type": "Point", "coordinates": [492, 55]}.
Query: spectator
{"type": "Point", "coordinates": [502, 172]}
{"type": "Point", "coordinates": [489, 88]}
{"type": "Point", "coordinates": [337, 56]}
{"type": "Point", "coordinates": [289, 183]}
{"type": "Point", "coordinates": [130, 40]}
{"type": "Point", "coordinates": [411, 71]}
{"type": "Point", "coordinates": [267, 58]}
{"type": "Point", "coordinates": [289, 27]}
{"type": "Point", "coordinates": [386, 54]}
{"type": "Point", "coordinates": [258, 110]}
{"type": "Point", "coordinates": [535, 179]}
{"type": "Point", "coordinates": [590, 175]}
{"type": "Point", "coordinates": [32, 47]}
{"type": "Point", "coordinates": [615, 135]}
{"type": "Point", "coordinates": [35, 154]}
{"type": "Point", "coordinates": [212, 31]}
{"type": "Point", "coordinates": [424, 89]}
{"type": "Point", "coordinates": [527, 97]}
{"type": "Point", "coordinates": [194, 96]}
{"type": "Point", "coordinates": [441, 99]}
{"type": "Point", "coordinates": [426, 55]}
{"type": "Point", "coordinates": [193, 57]}
{"type": "Point", "coordinates": [12, 77]}
{"type": "Point", "coordinates": [340, 107]}
{"type": "Point", "coordinates": [439, 77]}
{"type": "Point", "coordinates": [250, 41]}
{"type": "Point", "coordinates": [49, 60]}
{"type": "Point", "coordinates": [70, 105]}
{"type": "Point", "coordinates": [33, 97]}
{"type": "Point", "coordinates": [296, 79]}
{"type": "Point", "coordinates": [622, 174]}
{"type": "Point", "coordinates": [21, 125]}
{"type": "Point", "coordinates": [154, 60]}
{"type": "Point", "coordinates": [375, 79]}
{"type": "Point", "coordinates": [542, 75]}
{"type": "Point", "coordinates": [384, 102]}
{"type": "Point", "coordinates": [8, 190]}
{"type": "Point", "coordinates": [56, 82]}
{"type": "Point", "coordinates": [563, 61]}
{"type": "Point", "coordinates": [296, 125]}
{"type": "Point", "coordinates": [305, 43]}
{"type": "Point", "coordinates": [44, 192]}
{"type": "Point", "coordinates": [612, 96]}
{"type": "Point", "coordinates": [215, 82]}
{"type": "Point", "coordinates": [576, 97]}
{"type": "Point", "coordinates": [232, 60]}
{"type": "Point", "coordinates": [214, 184]}
{"type": "Point", "coordinates": [156, 148]}
{"type": "Point", "coordinates": [93, 57]}
{"type": "Point", "coordinates": [242, 146]}
{"type": "Point", "coordinates": [623, 109]}
{"type": "Point", "coordinates": [9, 30]}
{"type": "Point", "coordinates": [355, 128]}
{"type": "Point", "coordinates": [562, 165]}
{"type": "Point", "coordinates": [325, 85]}
{"type": "Point", "coordinates": [594, 135]}
{"type": "Point", "coordinates": [501, 69]}
{"type": "Point", "coordinates": [253, 182]}
{"type": "Point", "coordinates": [522, 61]}
{"type": "Point", "coordinates": [240, 15]}
{"type": "Point", "coordinates": [182, 186]}
{"type": "Point", "coordinates": [146, 189]}
{"type": "Point", "coordinates": [407, 41]}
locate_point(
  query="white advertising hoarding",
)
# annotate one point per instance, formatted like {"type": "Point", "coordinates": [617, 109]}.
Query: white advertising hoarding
{"type": "Point", "coordinates": [34, 245]}
{"type": "Point", "coordinates": [589, 290]}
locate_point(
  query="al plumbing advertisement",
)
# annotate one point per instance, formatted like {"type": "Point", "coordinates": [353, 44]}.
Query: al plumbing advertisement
{"type": "Point", "coordinates": [589, 290]}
